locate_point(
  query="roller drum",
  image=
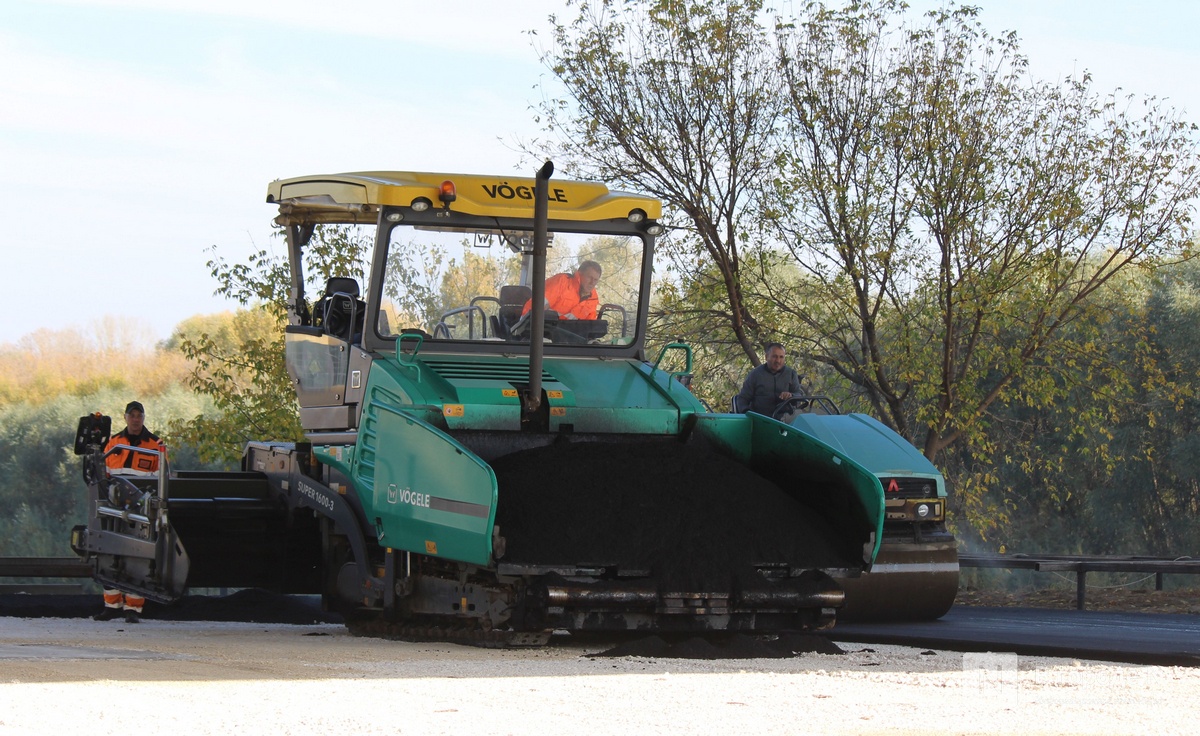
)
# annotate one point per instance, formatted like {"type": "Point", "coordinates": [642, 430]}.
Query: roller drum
{"type": "Point", "coordinates": [908, 582]}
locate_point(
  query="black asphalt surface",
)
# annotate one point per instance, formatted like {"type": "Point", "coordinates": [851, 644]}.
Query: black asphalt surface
{"type": "Point", "coordinates": [1139, 638]}
{"type": "Point", "coordinates": [250, 605]}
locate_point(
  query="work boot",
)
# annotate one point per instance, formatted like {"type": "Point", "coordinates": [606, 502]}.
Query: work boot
{"type": "Point", "coordinates": [131, 617]}
{"type": "Point", "coordinates": [108, 614]}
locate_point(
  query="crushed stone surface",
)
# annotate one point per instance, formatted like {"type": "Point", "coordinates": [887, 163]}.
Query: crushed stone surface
{"type": "Point", "coordinates": [186, 677]}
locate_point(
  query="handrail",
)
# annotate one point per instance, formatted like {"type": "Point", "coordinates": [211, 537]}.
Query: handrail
{"type": "Point", "coordinates": [1081, 565]}
{"type": "Point", "coordinates": [687, 351]}
{"type": "Point", "coordinates": [44, 567]}
{"type": "Point", "coordinates": [471, 309]}
{"type": "Point", "coordinates": [162, 473]}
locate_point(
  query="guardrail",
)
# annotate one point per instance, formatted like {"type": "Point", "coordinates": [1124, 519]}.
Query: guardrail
{"type": "Point", "coordinates": [1081, 565]}
{"type": "Point", "coordinates": [43, 567]}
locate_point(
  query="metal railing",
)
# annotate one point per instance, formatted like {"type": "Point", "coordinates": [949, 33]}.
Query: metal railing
{"type": "Point", "coordinates": [1081, 565]}
{"type": "Point", "coordinates": [43, 567]}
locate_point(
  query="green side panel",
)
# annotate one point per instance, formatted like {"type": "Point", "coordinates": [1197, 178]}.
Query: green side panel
{"type": "Point", "coordinates": [338, 457]}
{"type": "Point", "coordinates": [872, 444]}
{"type": "Point", "coordinates": [421, 490]}
{"type": "Point", "coordinates": [620, 396]}
{"type": "Point", "coordinates": [801, 453]}
{"type": "Point", "coordinates": [476, 392]}
{"type": "Point", "coordinates": [801, 462]}
{"type": "Point", "coordinates": [425, 491]}
{"type": "Point", "coordinates": [479, 392]}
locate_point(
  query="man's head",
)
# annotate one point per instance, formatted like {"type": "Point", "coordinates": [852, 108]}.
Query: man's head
{"type": "Point", "coordinates": [135, 417]}
{"type": "Point", "coordinates": [775, 356]}
{"type": "Point", "coordinates": [589, 275]}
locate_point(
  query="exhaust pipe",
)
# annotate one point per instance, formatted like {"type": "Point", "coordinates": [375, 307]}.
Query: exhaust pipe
{"type": "Point", "coordinates": [541, 218]}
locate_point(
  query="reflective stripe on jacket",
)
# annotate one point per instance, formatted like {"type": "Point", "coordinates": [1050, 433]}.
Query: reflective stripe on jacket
{"type": "Point", "coordinates": [131, 458]}
{"type": "Point", "coordinates": [114, 598]}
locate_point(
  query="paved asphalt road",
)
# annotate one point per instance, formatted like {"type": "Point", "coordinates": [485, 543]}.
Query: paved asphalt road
{"type": "Point", "coordinates": [1139, 638]}
{"type": "Point", "coordinates": [1142, 638]}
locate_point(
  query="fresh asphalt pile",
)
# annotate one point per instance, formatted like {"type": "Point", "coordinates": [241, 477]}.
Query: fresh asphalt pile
{"type": "Point", "coordinates": [692, 518]}
{"type": "Point", "coordinates": [735, 646]}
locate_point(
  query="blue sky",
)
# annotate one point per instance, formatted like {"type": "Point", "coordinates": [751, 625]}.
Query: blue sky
{"type": "Point", "coordinates": [136, 134]}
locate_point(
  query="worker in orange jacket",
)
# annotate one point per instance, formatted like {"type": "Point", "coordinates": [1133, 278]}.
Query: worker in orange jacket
{"type": "Point", "coordinates": [573, 296]}
{"type": "Point", "coordinates": [135, 434]}
{"type": "Point", "coordinates": [129, 461]}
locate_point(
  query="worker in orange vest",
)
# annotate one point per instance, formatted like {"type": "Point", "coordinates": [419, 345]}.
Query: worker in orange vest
{"type": "Point", "coordinates": [135, 434]}
{"type": "Point", "coordinates": [131, 462]}
{"type": "Point", "coordinates": [573, 296]}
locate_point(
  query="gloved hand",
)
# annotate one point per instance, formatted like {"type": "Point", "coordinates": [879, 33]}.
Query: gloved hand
{"type": "Point", "coordinates": [568, 315]}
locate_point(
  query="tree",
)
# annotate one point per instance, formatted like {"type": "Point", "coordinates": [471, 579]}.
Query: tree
{"type": "Point", "coordinates": [946, 218]}
{"type": "Point", "coordinates": [1044, 482]}
{"type": "Point", "coordinates": [679, 100]}
{"type": "Point", "coordinates": [41, 480]}
{"type": "Point", "coordinates": [959, 213]}
{"type": "Point", "coordinates": [120, 352]}
{"type": "Point", "coordinates": [1109, 466]}
{"type": "Point", "coordinates": [240, 363]}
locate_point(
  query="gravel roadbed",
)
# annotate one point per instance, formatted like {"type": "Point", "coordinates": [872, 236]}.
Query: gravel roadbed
{"type": "Point", "coordinates": [189, 677]}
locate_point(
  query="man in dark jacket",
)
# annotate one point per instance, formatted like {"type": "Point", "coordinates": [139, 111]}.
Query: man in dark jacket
{"type": "Point", "coordinates": [768, 384]}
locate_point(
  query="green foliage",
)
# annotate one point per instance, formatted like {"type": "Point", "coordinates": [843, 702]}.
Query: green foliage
{"type": "Point", "coordinates": [237, 361]}
{"type": "Point", "coordinates": [413, 287]}
{"type": "Point", "coordinates": [477, 274]}
{"type": "Point", "coordinates": [936, 234]}
{"type": "Point", "coordinates": [41, 482]}
{"type": "Point", "coordinates": [678, 100]}
{"type": "Point", "coordinates": [1108, 466]}
{"type": "Point", "coordinates": [240, 368]}
{"type": "Point", "coordinates": [961, 214]}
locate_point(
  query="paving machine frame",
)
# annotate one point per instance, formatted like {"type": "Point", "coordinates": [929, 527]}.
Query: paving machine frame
{"type": "Point", "coordinates": [391, 508]}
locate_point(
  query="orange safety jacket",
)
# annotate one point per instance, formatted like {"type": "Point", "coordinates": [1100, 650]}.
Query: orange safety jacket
{"type": "Point", "coordinates": [562, 293]}
{"type": "Point", "coordinates": [132, 459]}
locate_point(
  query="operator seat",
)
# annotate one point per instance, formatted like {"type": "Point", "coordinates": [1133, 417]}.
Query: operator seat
{"type": "Point", "coordinates": [512, 301]}
{"type": "Point", "coordinates": [339, 312]}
